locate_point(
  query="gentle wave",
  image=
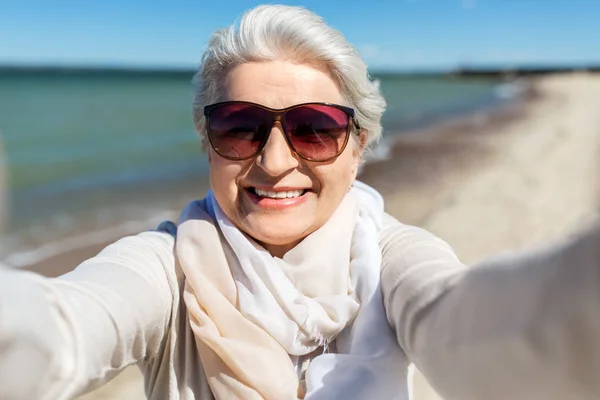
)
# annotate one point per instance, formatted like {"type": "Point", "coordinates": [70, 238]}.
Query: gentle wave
{"type": "Point", "coordinates": [79, 241]}
{"type": "Point", "coordinates": [510, 90]}
{"type": "Point", "coordinates": [501, 93]}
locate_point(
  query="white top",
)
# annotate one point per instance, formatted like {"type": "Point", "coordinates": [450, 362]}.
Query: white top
{"type": "Point", "coordinates": [521, 326]}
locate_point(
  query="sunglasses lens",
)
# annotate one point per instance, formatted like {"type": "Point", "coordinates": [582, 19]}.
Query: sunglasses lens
{"type": "Point", "coordinates": [317, 132]}
{"type": "Point", "coordinates": [238, 130]}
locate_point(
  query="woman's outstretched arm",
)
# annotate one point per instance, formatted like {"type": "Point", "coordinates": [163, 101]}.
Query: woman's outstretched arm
{"type": "Point", "coordinates": [61, 337]}
{"type": "Point", "coordinates": [519, 326]}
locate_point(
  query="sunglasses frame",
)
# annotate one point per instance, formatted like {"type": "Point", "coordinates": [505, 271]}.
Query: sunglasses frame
{"type": "Point", "coordinates": [278, 115]}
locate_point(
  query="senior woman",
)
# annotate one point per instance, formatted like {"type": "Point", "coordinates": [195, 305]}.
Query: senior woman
{"type": "Point", "coordinates": [288, 280]}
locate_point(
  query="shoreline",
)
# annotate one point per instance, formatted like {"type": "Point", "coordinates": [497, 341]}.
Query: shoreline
{"type": "Point", "coordinates": [86, 237]}
{"type": "Point", "coordinates": [432, 159]}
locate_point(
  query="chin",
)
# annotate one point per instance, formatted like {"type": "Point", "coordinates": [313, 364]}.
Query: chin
{"type": "Point", "coordinates": [279, 234]}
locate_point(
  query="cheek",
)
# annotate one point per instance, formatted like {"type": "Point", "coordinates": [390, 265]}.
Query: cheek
{"type": "Point", "coordinates": [336, 178]}
{"type": "Point", "coordinates": [223, 177]}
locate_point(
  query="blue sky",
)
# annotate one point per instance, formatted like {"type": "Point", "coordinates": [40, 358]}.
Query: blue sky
{"type": "Point", "coordinates": [391, 34]}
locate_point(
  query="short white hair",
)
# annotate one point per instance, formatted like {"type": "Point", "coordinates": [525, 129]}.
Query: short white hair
{"type": "Point", "coordinates": [278, 32]}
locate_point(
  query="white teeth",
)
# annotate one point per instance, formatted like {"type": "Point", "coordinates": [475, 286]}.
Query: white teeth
{"type": "Point", "coordinates": [285, 194]}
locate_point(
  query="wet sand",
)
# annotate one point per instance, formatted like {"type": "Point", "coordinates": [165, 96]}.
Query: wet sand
{"type": "Point", "coordinates": [486, 183]}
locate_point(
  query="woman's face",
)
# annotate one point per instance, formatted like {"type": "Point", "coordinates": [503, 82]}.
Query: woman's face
{"type": "Point", "coordinates": [280, 224]}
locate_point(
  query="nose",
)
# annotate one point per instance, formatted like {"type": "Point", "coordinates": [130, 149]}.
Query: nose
{"type": "Point", "coordinates": [277, 157]}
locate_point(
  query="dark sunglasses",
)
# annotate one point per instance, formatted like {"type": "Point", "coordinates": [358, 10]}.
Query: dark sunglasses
{"type": "Point", "coordinates": [239, 130]}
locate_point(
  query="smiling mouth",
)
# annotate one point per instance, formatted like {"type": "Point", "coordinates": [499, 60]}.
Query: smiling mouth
{"type": "Point", "coordinates": [279, 194]}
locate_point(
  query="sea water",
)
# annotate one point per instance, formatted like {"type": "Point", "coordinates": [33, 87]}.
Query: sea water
{"type": "Point", "coordinates": [91, 149]}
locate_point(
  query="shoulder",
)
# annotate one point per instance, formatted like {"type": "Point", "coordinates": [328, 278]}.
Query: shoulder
{"type": "Point", "coordinates": [148, 256]}
{"type": "Point", "coordinates": [396, 236]}
{"type": "Point", "coordinates": [413, 259]}
{"type": "Point", "coordinates": [406, 248]}
{"type": "Point", "coordinates": [158, 242]}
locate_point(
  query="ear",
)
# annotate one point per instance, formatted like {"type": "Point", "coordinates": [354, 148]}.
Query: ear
{"type": "Point", "coordinates": [362, 140]}
{"type": "Point", "coordinates": [358, 152]}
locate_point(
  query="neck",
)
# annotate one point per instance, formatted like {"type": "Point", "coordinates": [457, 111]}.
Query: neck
{"type": "Point", "coordinates": [279, 250]}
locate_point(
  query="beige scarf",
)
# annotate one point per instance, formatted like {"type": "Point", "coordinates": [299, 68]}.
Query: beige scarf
{"type": "Point", "coordinates": [250, 311]}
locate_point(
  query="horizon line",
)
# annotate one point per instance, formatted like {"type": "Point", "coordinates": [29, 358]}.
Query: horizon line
{"type": "Point", "coordinates": [155, 69]}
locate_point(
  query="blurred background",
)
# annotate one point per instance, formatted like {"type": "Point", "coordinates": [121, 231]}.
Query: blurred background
{"type": "Point", "coordinates": [492, 117]}
{"type": "Point", "coordinates": [95, 97]}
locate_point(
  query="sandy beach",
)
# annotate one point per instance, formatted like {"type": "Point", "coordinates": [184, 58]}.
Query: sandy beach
{"type": "Point", "coordinates": [485, 183]}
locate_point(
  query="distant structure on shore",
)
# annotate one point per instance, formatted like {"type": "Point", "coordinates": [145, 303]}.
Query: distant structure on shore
{"type": "Point", "coordinates": [510, 73]}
